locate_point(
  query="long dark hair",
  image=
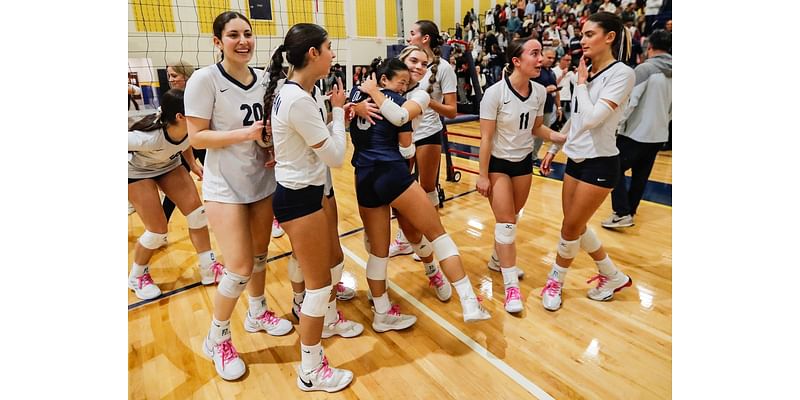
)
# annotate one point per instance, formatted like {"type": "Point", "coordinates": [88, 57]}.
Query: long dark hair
{"type": "Point", "coordinates": [429, 28]}
{"type": "Point", "coordinates": [298, 40]}
{"type": "Point", "coordinates": [171, 105]}
{"type": "Point", "coordinates": [222, 20]}
{"type": "Point", "coordinates": [514, 50]}
{"type": "Point", "coordinates": [621, 47]}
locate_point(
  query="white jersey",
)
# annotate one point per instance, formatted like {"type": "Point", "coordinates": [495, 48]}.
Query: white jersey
{"type": "Point", "coordinates": [153, 153]}
{"type": "Point", "coordinates": [515, 116]}
{"type": "Point", "coordinates": [421, 97]}
{"type": "Point", "coordinates": [446, 82]}
{"type": "Point", "coordinates": [614, 83]}
{"type": "Point", "coordinates": [298, 122]}
{"type": "Point", "coordinates": [234, 173]}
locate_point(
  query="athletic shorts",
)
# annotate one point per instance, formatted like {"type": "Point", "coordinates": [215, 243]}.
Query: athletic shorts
{"type": "Point", "coordinates": [380, 184]}
{"type": "Point", "coordinates": [512, 168]}
{"type": "Point", "coordinates": [289, 204]}
{"type": "Point", "coordinates": [599, 171]}
{"type": "Point", "coordinates": [132, 180]}
{"type": "Point", "coordinates": [436, 138]}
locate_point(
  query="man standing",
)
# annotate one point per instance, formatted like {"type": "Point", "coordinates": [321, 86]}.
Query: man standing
{"type": "Point", "coordinates": [552, 106]}
{"type": "Point", "coordinates": [565, 78]}
{"type": "Point", "coordinates": [643, 128]}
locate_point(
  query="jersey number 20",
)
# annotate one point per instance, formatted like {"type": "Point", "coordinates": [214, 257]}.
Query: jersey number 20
{"type": "Point", "coordinates": [254, 113]}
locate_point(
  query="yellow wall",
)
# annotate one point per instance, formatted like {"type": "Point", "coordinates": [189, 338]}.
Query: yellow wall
{"type": "Point", "coordinates": [391, 18]}
{"type": "Point", "coordinates": [447, 11]}
{"type": "Point", "coordinates": [465, 6]}
{"type": "Point", "coordinates": [334, 18]}
{"type": "Point", "coordinates": [207, 10]}
{"type": "Point", "coordinates": [300, 11]}
{"type": "Point", "coordinates": [485, 4]}
{"type": "Point", "coordinates": [367, 18]}
{"type": "Point", "coordinates": [153, 15]}
{"type": "Point", "coordinates": [425, 10]}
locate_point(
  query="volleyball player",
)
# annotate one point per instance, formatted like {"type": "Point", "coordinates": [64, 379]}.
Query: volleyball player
{"type": "Point", "coordinates": [511, 110]}
{"type": "Point", "coordinates": [224, 109]}
{"type": "Point", "coordinates": [593, 162]}
{"type": "Point", "coordinates": [154, 145]}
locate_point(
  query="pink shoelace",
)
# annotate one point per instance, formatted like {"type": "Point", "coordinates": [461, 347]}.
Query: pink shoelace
{"type": "Point", "coordinates": [144, 280]}
{"type": "Point", "coordinates": [436, 280]}
{"type": "Point", "coordinates": [218, 269]}
{"type": "Point", "coordinates": [552, 287]}
{"type": "Point", "coordinates": [341, 317]}
{"type": "Point", "coordinates": [228, 352]}
{"type": "Point", "coordinates": [602, 279]}
{"type": "Point", "coordinates": [269, 318]}
{"type": "Point", "coordinates": [324, 370]}
{"type": "Point", "coordinates": [275, 224]}
{"type": "Point", "coordinates": [340, 287]}
{"type": "Point", "coordinates": [395, 310]}
{"type": "Point", "coordinates": [512, 293]}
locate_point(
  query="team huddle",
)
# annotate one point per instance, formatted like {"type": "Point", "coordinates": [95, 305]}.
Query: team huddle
{"type": "Point", "coordinates": [271, 143]}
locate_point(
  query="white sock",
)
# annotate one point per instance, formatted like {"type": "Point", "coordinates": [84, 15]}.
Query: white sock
{"type": "Point", "coordinates": [331, 315]}
{"type": "Point", "coordinates": [510, 277]}
{"type": "Point", "coordinates": [401, 237]}
{"type": "Point", "coordinates": [219, 330]}
{"type": "Point", "coordinates": [495, 257]}
{"type": "Point", "coordinates": [206, 259]}
{"type": "Point", "coordinates": [606, 266]}
{"type": "Point", "coordinates": [257, 306]}
{"type": "Point", "coordinates": [382, 303]}
{"type": "Point", "coordinates": [431, 268]}
{"type": "Point", "coordinates": [464, 288]}
{"type": "Point", "coordinates": [298, 297]}
{"type": "Point", "coordinates": [558, 272]}
{"type": "Point", "coordinates": [137, 271]}
{"type": "Point", "coordinates": [310, 356]}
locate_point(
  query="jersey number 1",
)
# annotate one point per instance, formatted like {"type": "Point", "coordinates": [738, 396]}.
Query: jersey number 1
{"type": "Point", "coordinates": [523, 120]}
{"type": "Point", "coordinates": [256, 112]}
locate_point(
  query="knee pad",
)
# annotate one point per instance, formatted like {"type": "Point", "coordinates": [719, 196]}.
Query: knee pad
{"type": "Point", "coordinates": [295, 273]}
{"type": "Point", "coordinates": [260, 263]}
{"type": "Point", "coordinates": [589, 241]}
{"type": "Point", "coordinates": [423, 248]}
{"type": "Point", "coordinates": [336, 273]}
{"type": "Point", "coordinates": [232, 285]}
{"type": "Point", "coordinates": [152, 241]}
{"type": "Point", "coordinates": [569, 248]}
{"type": "Point", "coordinates": [376, 267]}
{"type": "Point", "coordinates": [433, 197]}
{"type": "Point", "coordinates": [315, 303]}
{"type": "Point", "coordinates": [197, 218]}
{"type": "Point", "coordinates": [505, 233]}
{"type": "Point", "coordinates": [444, 247]}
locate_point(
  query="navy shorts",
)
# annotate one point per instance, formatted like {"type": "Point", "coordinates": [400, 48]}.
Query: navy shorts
{"type": "Point", "coordinates": [436, 138]}
{"type": "Point", "coordinates": [380, 184]}
{"type": "Point", "coordinates": [133, 180]}
{"type": "Point", "coordinates": [599, 171]}
{"type": "Point", "coordinates": [289, 204]}
{"type": "Point", "coordinates": [512, 168]}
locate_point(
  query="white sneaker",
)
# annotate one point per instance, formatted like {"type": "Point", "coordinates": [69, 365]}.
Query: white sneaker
{"type": "Point", "coordinates": [441, 285]}
{"type": "Point", "coordinates": [323, 378]}
{"type": "Point", "coordinates": [277, 231]}
{"type": "Point", "coordinates": [494, 265]}
{"type": "Point", "coordinates": [397, 248]}
{"type": "Point", "coordinates": [473, 310]}
{"type": "Point", "coordinates": [131, 210]}
{"type": "Point", "coordinates": [392, 320]}
{"type": "Point", "coordinates": [551, 294]}
{"type": "Point", "coordinates": [211, 275]}
{"type": "Point", "coordinates": [296, 310]}
{"type": "Point", "coordinates": [415, 257]}
{"type": "Point", "coordinates": [143, 286]}
{"type": "Point", "coordinates": [226, 359]}
{"type": "Point", "coordinates": [615, 221]}
{"type": "Point", "coordinates": [268, 322]}
{"type": "Point", "coordinates": [342, 327]}
{"type": "Point", "coordinates": [513, 301]}
{"type": "Point", "coordinates": [343, 292]}
{"type": "Point", "coordinates": [607, 285]}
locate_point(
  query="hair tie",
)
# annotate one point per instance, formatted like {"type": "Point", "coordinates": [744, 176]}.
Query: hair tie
{"type": "Point", "coordinates": [158, 113]}
{"type": "Point", "coordinates": [281, 48]}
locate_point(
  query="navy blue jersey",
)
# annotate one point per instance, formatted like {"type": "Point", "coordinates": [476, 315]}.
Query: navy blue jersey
{"type": "Point", "coordinates": [376, 143]}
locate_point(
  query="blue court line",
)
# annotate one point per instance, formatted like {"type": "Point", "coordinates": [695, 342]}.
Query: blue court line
{"type": "Point", "coordinates": [656, 192]}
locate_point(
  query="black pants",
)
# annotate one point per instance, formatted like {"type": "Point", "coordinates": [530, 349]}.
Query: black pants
{"type": "Point", "coordinates": [168, 205]}
{"type": "Point", "coordinates": [639, 158]}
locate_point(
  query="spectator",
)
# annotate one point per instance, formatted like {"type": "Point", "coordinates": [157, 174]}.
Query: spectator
{"type": "Point", "coordinates": [459, 32]}
{"type": "Point", "coordinates": [608, 6]}
{"type": "Point", "coordinates": [552, 105]}
{"type": "Point", "coordinates": [489, 20]}
{"type": "Point", "coordinates": [530, 9]}
{"type": "Point", "coordinates": [514, 24]}
{"type": "Point", "coordinates": [650, 14]}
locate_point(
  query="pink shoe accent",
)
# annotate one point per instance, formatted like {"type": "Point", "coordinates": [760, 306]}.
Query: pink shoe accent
{"type": "Point", "coordinates": [395, 310]}
{"type": "Point", "coordinates": [269, 318]}
{"type": "Point", "coordinates": [340, 287]}
{"type": "Point", "coordinates": [340, 317]}
{"type": "Point", "coordinates": [602, 279]}
{"type": "Point", "coordinates": [144, 280]}
{"type": "Point", "coordinates": [275, 224]}
{"type": "Point", "coordinates": [218, 269]}
{"type": "Point", "coordinates": [228, 352]}
{"type": "Point", "coordinates": [324, 370]}
{"type": "Point", "coordinates": [512, 293]}
{"type": "Point", "coordinates": [552, 287]}
{"type": "Point", "coordinates": [436, 279]}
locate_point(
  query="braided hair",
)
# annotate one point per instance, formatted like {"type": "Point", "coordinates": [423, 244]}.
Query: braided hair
{"type": "Point", "coordinates": [429, 28]}
{"type": "Point", "coordinates": [171, 106]}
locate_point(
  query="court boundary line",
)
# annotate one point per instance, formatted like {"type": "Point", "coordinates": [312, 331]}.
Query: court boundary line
{"type": "Point", "coordinates": [501, 365]}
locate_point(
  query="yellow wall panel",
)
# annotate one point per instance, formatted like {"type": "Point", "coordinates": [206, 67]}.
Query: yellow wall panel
{"type": "Point", "coordinates": [366, 17]}
{"type": "Point", "coordinates": [153, 15]}
{"type": "Point", "coordinates": [300, 11]}
{"type": "Point", "coordinates": [465, 6]}
{"type": "Point", "coordinates": [391, 18]}
{"type": "Point", "coordinates": [262, 27]}
{"type": "Point", "coordinates": [447, 11]}
{"type": "Point", "coordinates": [334, 18]}
{"type": "Point", "coordinates": [485, 4]}
{"type": "Point", "coordinates": [207, 11]}
{"type": "Point", "coordinates": [425, 10]}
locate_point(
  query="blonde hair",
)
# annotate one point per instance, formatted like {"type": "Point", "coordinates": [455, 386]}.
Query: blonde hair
{"type": "Point", "coordinates": [183, 68]}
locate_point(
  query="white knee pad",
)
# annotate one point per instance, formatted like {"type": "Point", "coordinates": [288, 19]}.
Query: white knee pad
{"type": "Point", "coordinates": [197, 218]}
{"type": "Point", "coordinates": [295, 273]}
{"type": "Point", "coordinates": [152, 241]}
{"type": "Point", "coordinates": [376, 267]}
{"type": "Point", "coordinates": [336, 273]}
{"type": "Point", "coordinates": [232, 285]}
{"type": "Point", "coordinates": [569, 248]}
{"type": "Point", "coordinates": [505, 233]}
{"type": "Point", "coordinates": [589, 241]}
{"type": "Point", "coordinates": [260, 263]}
{"type": "Point", "coordinates": [423, 248]}
{"type": "Point", "coordinates": [444, 247]}
{"type": "Point", "coordinates": [433, 197]}
{"type": "Point", "coordinates": [315, 303]}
